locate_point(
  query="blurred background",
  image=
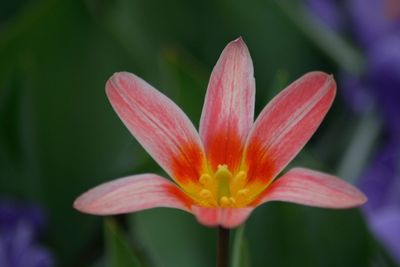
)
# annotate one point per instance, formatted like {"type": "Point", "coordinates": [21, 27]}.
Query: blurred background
{"type": "Point", "coordinates": [59, 135]}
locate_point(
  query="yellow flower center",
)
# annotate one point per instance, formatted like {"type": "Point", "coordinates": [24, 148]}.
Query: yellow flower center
{"type": "Point", "coordinates": [223, 189]}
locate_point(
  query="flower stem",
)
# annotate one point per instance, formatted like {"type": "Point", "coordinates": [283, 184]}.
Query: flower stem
{"type": "Point", "coordinates": [223, 247]}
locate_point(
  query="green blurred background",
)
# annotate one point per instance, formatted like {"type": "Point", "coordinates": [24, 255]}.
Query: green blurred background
{"type": "Point", "coordinates": [59, 135]}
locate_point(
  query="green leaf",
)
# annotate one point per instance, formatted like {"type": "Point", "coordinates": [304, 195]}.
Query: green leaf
{"type": "Point", "coordinates": [285, 235]}
{"type": "Point", "coordinates": [185, 78]}
{"type": "Point", "coordinates": [117, 248]}
{"type": "Point", "coordinates": [172, 238]}
{"type": "Point", "coordinates": [240, 255]}
{"type": "Point", "coordinates": [360, 146]}
{"type": "Point", "coordinates": [337, 48]}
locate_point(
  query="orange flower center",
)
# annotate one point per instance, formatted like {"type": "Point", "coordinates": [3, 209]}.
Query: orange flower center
{"type": "Point", "coordinates": [223, 189]}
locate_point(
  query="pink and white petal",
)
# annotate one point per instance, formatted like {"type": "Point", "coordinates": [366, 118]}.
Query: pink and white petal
{"type": "Point", "coordinates": [225, 217]}
{"type": "Point", "coordinates": [132, 193]}
{"type": "Point", "coordinates": [286, 124]}
{"type": "Point", "coordinates": [313, 188]}
{"type": "Point", "coordinates": [228, 109]}
{"type": "Point", "coordinates": [159, 125]}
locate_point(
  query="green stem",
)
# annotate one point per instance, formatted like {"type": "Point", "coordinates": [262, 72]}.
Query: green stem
{"type": "Point", "coordinates": [223, 247]}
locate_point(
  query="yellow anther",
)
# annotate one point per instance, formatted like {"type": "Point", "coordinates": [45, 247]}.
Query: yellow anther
{"type": "Point", "coordinates": [239, 181]}
{"type": "Point", "coordinates": [224, 201]}
{"type": "Point", "coordinates": [204, 193]}
{"type": "Point", "coordinates": [232, 200]}
{"type": "Point", "coordinates": [205, 179]}
{"type": "Point", "coordinates": [240, 177]}
{"type": "Point", "coordinates": [243, 192]}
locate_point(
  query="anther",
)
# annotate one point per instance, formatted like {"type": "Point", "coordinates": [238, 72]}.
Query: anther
{"type": "Point", "coordinates": [204, 193]}
{"type": "Point", "coordinates": [240, 177]}
{"type": "Point", "coordinates": [243, 192]}
{"type": "Point", "coordinates": [205, 179]}
{"type": "Point", "coordinates": [224, 201]}
{"type": "Point", "coordinates": [239, 181]}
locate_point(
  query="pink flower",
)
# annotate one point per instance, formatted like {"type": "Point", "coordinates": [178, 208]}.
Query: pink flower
{"type": "Point", "coordinates": [223, 173]}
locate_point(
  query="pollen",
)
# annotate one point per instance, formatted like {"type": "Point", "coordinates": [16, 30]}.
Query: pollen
{"type": "Point", "coordinates": [223, 188]}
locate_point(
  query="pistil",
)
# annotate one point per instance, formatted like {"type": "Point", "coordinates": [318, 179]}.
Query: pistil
{"type": "Point", "coordinates": [223, 178]}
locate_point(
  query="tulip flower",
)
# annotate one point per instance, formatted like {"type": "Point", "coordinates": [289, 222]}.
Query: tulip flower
{"type": "Point", "coordinates": [231, 166]}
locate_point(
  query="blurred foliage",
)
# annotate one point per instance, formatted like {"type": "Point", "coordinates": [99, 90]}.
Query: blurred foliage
{"type": "Point", "coordinates": [240, 250]}
{"type": "Point", "coordinates": [117, 248]}
{"type": "Point", "coordinates": [59, 136]}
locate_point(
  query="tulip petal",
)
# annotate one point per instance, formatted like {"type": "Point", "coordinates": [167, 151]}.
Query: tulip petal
{"type": "Point", "coordinates": [229, 106]}
{"type": "Point", "coordinates": [132, 193]}
{"type": "Point", "coordinates": [159, 125]}
{"type": "Point", "coordinates": [225, 217]}
{"type": "Point", "coordinates": [312, 188]}
{"type": "Point", "coordinates": [286, 124]}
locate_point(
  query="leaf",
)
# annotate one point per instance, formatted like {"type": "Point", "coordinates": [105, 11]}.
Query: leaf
{"type": "Point", "coordinates": [172, 238]}
{"type": "Point", "coordinates": [283, 234]}
{"type": "Point", "coordinates": [340, 51]}
{"type": "Point", "coordinates": [360, 146]}
{"type": "Point", "coordinates": [184, 76]}
{"type": "Point", "coordinates": [117, 248]}
{"type": "Point", "coordinates": [240, 254]}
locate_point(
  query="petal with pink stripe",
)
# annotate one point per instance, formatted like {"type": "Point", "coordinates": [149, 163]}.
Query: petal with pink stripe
{"type": "Point", "coordinates": [312, 188]}
{"type": "Point", "coordinates": [132, 193]}
{"type": "Point", "coordinates": [229, 106]}
{"type": "Point", "coordinates": [286, 124]}
{"type": "Point", "coordinates": [159, 125]}
{"type": "Point", "coordinates": [225, 217]}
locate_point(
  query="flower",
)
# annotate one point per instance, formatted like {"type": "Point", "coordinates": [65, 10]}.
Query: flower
{"type": "Point", "coordinates": [229, 168]}
{"type": "Point", "coordinates": [20, 227]}
{"type": "Point", "coordinates": [381, 182]}
{"type": "Point", "coordinates": [375, 27]}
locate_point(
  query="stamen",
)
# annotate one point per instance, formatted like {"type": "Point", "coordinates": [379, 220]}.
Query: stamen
{"type": "Point", "coordinates": [240, 177]}
{"type": "Point", "coordinates": [224, 201]}
{"type": "Point", "coordinates": [204, 193]}
{"type": "Point", "coordinates": [205, 179]}
{"type": "Point", "coordinates": [243, 192]}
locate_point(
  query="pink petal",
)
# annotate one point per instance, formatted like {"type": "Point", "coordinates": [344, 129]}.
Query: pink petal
{"type": "Point", "coordinates": [133, 193]}
{"type": "Point", "coordinates": [225, 217]}
{"type": "Point", "coordinates": [313, 188]}
{"type": "Point", "coordinates": [159, 125]}
{"type": "Point", "coordinates": [229, 106]}
{"type": "Point", "coordinates": [286, 124]}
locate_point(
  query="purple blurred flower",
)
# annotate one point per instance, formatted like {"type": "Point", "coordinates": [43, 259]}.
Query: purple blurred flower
{"type": "Point", "coordinates": [381, 183]}
{"type": "Point", "coordinates": [355, 92]}
{"type": "Point", "coordinates": [328, 12]}
{"type": "Point", "coordinates": [384, 77]}
{"type": "Point", "coordinates": [20, 226]}
{"type": "Point", "coordinates": [379, 34]}
{"type": "Point", "coordinates": [375, 24]}
{"type": "Point", "coordinates": [373, 20]}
